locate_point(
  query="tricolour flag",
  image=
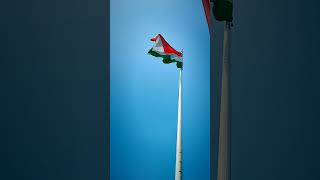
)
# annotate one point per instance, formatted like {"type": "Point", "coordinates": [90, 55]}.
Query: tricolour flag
{"type": "Point", "coordinates": [161, 48]}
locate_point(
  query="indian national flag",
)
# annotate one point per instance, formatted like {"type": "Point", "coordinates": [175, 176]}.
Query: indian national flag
{"type": "Point", "coordinates": [162, 49]}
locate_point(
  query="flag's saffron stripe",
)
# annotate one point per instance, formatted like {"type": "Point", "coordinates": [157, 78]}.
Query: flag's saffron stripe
{"type": "Point", "coordinates": [167, 48]}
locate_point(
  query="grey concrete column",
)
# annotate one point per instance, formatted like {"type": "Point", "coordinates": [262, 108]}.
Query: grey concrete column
{"type": "Point", "coordinates": [224, 128]}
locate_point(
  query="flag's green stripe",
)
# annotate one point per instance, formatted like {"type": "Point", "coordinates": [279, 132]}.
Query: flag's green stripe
{"type": "Point", "coordinates": [166, 58]}
{"type": "Point", "coordinates": [179, 64]}
{"type": "Point", "coordinates": [153, 53]}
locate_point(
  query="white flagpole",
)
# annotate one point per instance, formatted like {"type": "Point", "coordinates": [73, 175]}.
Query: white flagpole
{"type": "Point", "coordinates": [178, 173]}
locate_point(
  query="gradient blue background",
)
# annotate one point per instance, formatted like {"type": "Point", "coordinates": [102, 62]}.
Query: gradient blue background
{"type": "Point", "coordinates": [54, 95]}
{"type": "Point", "coordinates": [144, 91]}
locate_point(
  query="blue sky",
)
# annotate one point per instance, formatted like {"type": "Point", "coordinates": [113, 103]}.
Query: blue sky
{"type": "Point", "coordinates": [144, 91]}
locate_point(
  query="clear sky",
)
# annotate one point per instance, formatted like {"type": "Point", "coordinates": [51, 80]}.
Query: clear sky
{"type": "Point", "coordinates": [144, 91]}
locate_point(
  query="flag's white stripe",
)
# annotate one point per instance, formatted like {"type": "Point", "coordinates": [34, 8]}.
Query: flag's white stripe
{"type": "Point", "coordinates": [158, 47]}
{"type": "Point", "coordinates": [177, 58]}
{"type": "Point", "coordinates": [172, 56]}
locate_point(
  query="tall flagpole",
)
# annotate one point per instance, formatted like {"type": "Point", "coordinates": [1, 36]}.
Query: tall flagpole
{"type": "Point", "coordinates": [155, 51]}
{"type": "Point", "coordinates": [178, 173]}
{"type": "Point", "coordinates": [225, 124]}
